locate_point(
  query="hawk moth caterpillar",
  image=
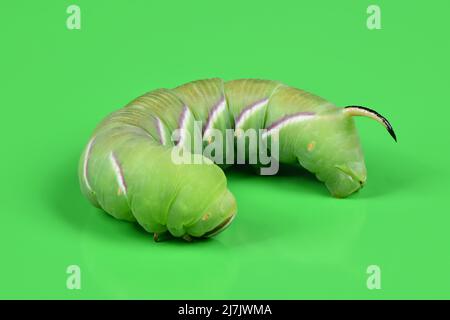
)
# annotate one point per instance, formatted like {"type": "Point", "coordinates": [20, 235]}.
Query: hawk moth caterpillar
{"type": "Point", "coordinates": [126, 168]}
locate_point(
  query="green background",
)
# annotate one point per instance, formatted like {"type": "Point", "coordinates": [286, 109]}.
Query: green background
{"type": "Point", "coordinates": [291, 239]}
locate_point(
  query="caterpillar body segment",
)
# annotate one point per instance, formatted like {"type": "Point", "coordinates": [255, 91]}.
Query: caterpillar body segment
{"type": "Point", "coordinates": [128, 167]}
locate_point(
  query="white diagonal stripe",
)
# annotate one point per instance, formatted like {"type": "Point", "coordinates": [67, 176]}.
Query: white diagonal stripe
{"type": "Point", "coordinates": [216, 112]}
{"type": "Point", "coordinates": [289, 120]}
{"type": "Point", "coordinates": [118, 172]}
{"type": "Point", "coordinates": [161, 131]}
{"type": "Point", "coordinates": [85, 164]}
{"type": "Point", "coordinates": [184, 121]}
{"type": "Point", "coordinates": [249, 111]}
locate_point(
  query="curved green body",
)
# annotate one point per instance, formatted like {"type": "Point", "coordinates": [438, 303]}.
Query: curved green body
{"type": "Point", "coordinates": [126, 169]}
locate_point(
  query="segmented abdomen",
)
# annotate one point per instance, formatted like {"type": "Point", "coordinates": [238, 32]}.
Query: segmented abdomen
{"type": "Point", "coordinates": [134, 143]}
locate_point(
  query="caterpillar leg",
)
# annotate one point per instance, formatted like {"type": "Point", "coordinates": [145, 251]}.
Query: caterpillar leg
{"type": "Point", "coordinates": [161, 236]}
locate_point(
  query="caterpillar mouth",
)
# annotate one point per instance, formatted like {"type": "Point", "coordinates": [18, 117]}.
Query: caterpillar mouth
{"type": "Point", "coordinates": [352, 175]}
{"type": "Point", "coordinates": [346, 182]}
{"type": "Point", "coordinates": [222, 226]}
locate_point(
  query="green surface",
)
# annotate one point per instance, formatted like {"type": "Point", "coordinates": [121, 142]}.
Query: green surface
{"type": "Point", "coordinates": [290, 238]}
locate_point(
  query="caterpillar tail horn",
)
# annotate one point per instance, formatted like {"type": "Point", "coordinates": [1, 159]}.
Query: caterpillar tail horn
{"type": "Point", "coordinates": [367, 112]}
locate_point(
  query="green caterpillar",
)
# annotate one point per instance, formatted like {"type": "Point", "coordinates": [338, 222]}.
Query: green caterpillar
{"type": "Point", "coordinates": [127, 167]}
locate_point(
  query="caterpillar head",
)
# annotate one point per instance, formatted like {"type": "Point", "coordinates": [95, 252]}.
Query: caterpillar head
{"type": "Point", "coordinates": [217, 216]}
{"type": "Point", "coordinates": [338, 149]}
